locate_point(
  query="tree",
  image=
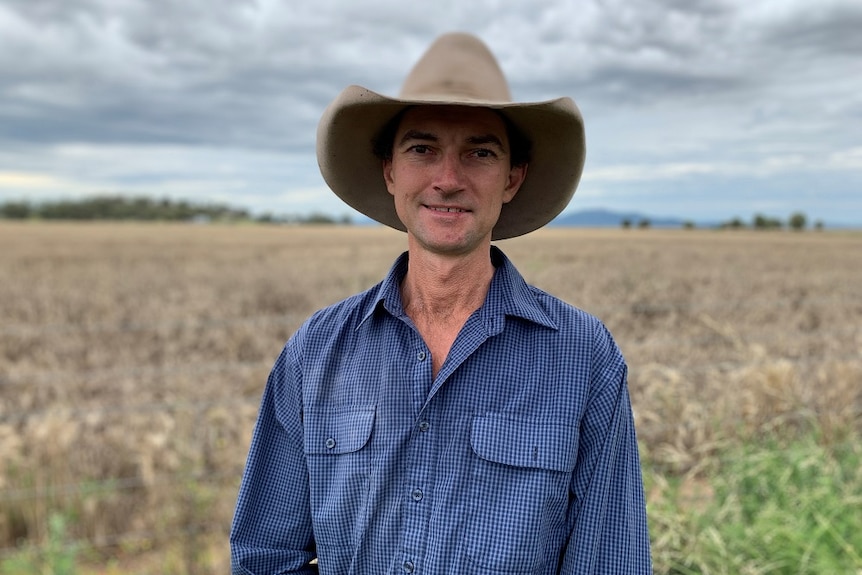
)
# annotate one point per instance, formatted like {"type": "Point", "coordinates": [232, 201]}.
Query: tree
{"type": "Point", "coordinates": [762, 222]}
{"type": "Point", "coordinates": [734, 224]}
{"type": "Point", "coordinates": [797, 221]}
{"type": "Point", "coordinates": [318, 218]}
{"type": "Point", "coordinates": [16, 210]}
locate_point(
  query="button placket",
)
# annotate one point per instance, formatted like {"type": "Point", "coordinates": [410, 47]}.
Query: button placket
{"type": "Point", "coordinates": [419, 476]}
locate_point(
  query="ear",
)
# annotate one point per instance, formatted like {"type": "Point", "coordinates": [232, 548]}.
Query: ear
{"type": "Point", "coordinates": [387, 176]}
{"type": "Point", "coordinates": [516, 177]}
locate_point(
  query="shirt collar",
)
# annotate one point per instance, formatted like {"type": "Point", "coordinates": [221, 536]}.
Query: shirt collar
{"type": "Point", "coordinates": [508, 295]}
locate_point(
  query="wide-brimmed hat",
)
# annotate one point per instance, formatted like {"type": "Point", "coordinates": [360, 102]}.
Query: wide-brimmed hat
{"type": "Point", "coordinates": [458, 69]}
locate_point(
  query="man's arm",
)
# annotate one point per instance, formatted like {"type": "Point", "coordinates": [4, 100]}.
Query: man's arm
{"type": "Point", "coordinates": [609, 535]}
{"type": "Point", "coordinates": [271, 531]}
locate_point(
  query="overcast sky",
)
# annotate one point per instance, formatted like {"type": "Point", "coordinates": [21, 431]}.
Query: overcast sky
{"type": "Point", "coordinates": [704, 109]}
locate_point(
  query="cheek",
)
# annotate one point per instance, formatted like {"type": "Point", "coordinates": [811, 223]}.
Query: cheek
{"type": "Point", "coordinates": [402, 182]}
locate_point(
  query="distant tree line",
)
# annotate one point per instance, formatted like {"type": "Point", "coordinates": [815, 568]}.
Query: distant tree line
{"type": "Point", "coordinates": [643, 223]}
{"type": "Point", "coordinates": [796, 222]}
{"type": "Point", "coordinates": [147, 209]}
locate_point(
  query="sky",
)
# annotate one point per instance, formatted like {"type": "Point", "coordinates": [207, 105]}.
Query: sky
{"type": "Point", "coordinates": [699, 109]}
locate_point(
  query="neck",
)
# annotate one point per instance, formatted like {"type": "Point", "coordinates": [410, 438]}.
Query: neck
{"type": "Point", "coordinates": [446, 288]}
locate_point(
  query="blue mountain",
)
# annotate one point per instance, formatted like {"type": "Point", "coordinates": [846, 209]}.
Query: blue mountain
{"type": "Point", "coordinates": [607, 218]}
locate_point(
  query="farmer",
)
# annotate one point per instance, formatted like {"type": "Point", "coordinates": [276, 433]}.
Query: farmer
{"type": "Point", "coordinates": [452, 419]}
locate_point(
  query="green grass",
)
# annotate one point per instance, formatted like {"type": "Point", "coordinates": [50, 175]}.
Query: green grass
{"type": "Point", "coordinates": [56, 557]}
{"type": "Point", "coordinates": [766, 508]}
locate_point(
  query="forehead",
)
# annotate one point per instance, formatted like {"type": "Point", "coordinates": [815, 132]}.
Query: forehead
{"type": "Point", "coordinates": [458, 120]}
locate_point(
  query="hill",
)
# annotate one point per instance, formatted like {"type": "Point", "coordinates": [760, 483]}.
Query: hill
{"type": "Point", "coordinates": [607, 218]}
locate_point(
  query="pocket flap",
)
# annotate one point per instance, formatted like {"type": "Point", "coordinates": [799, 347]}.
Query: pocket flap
{"type": "Point", "coordinates": [525, 442]}
{"type": "Point", "coordinates": [337, 431]}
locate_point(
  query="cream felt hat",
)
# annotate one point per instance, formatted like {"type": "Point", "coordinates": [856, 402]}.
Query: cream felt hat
{"type": "Point", "coordinates": [458, 69]}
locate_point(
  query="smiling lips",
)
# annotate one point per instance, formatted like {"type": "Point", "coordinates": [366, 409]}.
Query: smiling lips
{"type": "Point", "coordinates": [445, 209]}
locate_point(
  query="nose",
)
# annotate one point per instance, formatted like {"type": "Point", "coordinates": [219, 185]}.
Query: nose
{"type": "Point", "coordinates": [449, 177]}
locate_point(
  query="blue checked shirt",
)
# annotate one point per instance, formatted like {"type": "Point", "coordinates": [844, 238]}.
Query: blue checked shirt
{"type": "Point", "coordinates": [518, 458]}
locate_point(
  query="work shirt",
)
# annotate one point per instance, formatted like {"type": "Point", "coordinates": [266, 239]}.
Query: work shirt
{"type": "Point", "coordinates": [519, 457]}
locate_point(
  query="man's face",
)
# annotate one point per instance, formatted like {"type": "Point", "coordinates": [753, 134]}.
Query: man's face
{"type": "Point", "coordinates": [450, 175]}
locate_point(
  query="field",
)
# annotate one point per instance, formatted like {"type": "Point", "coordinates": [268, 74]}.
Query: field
{"type": "Point", "coordinates": [133, 356]}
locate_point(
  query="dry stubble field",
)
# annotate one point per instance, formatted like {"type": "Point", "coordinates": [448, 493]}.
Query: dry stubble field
{"type": "Point", "coordinates": [133, 356]}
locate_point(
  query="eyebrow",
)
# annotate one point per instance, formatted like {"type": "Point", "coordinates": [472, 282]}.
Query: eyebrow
{"type": "Point", "coordinates": [486, 139]}
{"type": "Point", "coordinates": [429, 137]}
{"type": "Point", "coordinates": [417, 135]}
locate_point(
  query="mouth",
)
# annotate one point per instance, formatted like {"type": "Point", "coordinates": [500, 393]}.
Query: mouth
{"type": "Point", "coordinates": [444, 209]}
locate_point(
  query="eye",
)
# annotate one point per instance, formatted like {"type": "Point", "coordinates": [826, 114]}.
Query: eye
{"type": "Point", "coordinates": [419, 149]}
{"type": "Point", "coordinates": [484, 153]}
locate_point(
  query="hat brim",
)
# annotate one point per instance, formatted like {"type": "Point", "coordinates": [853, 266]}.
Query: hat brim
{"type": "Point", "coordinates": [347, 162]}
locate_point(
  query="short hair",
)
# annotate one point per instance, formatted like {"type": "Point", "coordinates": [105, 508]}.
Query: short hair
{"type": "Point", "coordinates": [520, 146]}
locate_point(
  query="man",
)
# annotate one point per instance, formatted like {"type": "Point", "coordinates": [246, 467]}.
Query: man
{"type": "Point", "coordinates": [452, 419]}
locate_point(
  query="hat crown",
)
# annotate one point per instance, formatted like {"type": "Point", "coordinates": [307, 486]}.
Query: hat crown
{"type": "Point", "coordinates": [457, 67]}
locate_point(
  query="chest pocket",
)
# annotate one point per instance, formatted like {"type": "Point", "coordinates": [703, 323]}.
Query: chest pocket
{"type": "Point", "coordinates": [521, 477]}
{"type": "Point", "coordinates": [339, 467]}
{"type": "Point", "coordinates": [530, 443]}
{"type": "Point", "coordinates": [334, 432]}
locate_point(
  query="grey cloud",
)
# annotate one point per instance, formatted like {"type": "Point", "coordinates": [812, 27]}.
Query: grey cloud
{"type": "Point", "coordinates": [632, 86]}
{"type": "Point", "coordinates": [820, 28]}
{"type": "Point", "coordinates": [190, 76]}
{"type": "Point", "coordinates": [619, 53]}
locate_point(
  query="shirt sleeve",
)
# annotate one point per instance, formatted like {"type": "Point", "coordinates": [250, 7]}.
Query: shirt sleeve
{"type": "Point", "coordinates": [609, 533]}
{"type": "Point", "coordinates": [271, 531]}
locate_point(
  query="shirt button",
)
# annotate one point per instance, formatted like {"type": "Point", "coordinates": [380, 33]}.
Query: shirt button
{"type": "Point", "coordinates": [408, 567]}
{"type": "Point", "coordinates": [421, 356]}
{"type": "Point", "coordinates": [424, 426]}
{"type": "Point", "coordinates": [330, 443]}
{"type": "Point", "coordinates": [417, 494]}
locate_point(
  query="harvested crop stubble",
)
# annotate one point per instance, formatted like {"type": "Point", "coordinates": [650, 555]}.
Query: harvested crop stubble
{"type": "Point", "coordinates": [133, 356]}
